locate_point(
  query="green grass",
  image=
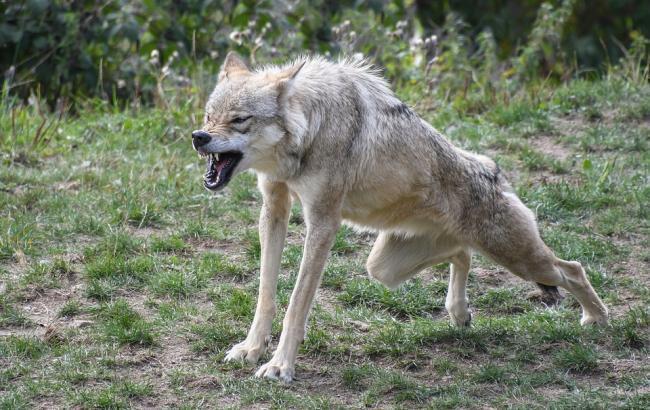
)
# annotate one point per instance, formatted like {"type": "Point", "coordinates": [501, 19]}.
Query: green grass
{"type": "Point", "coordinates": [411, 299]}
{"type": "Point", "coordinates": [22, 347]}
{"type": "Point", "coordinates": [577, 358]}
{"type": "Point", "coordinates": [115, 396]}
{"type": "Point", "coordinates": [170, 244]}
{"type": "Point", "coordinates": [70, 308]}
{"type": "Point", "coordinates": [123, 283]}
{"type": "Point", "coordinates": [10, 314]}
{"type": "Point", "coordinates": [123, 325]}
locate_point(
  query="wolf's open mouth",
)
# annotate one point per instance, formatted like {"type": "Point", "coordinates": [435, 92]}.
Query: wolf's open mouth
{"type": "Point", "coordinates": [220, 168]}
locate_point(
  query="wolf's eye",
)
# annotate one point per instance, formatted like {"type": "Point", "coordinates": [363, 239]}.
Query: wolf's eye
{"type": "Point", "coordinates": [240, 120]}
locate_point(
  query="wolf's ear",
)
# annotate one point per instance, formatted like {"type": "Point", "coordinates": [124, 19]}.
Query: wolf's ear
{"type": "Point", "coordinates": [233, 65]}
{"type": "Point", "coordinates": [285, 77]}
{"type": "Point", "coordinates": [289, 74]}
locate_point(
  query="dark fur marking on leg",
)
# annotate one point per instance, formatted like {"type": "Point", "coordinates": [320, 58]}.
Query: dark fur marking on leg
{"type": "Point", "coordinates": [550, 294]}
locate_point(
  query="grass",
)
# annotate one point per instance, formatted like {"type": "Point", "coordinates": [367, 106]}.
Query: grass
{"type": "Point", "coordinates": [123, 283]}
{"type": "Point", "coordinates": [115, 396]}
{"type": "Point", "coordinates": [578, 359]}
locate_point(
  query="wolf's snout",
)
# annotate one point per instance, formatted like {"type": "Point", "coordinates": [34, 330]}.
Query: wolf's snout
{"type": "Point", "coordinates": [200, 138]}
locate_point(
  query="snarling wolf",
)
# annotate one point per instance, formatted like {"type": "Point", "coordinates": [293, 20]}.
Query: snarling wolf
{"type": "Point", "coordinates": [334, 137]}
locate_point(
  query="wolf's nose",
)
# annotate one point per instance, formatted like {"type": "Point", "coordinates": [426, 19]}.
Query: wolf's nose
{"type": "Point", "coordinates": [200, 138]}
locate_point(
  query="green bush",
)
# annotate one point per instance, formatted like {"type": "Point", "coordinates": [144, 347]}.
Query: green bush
{"type": "Point", "coordinates": [149, 51]}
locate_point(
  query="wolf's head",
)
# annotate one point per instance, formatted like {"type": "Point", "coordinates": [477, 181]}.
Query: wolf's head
{"type": "Point", "coordinates": [244, 121]}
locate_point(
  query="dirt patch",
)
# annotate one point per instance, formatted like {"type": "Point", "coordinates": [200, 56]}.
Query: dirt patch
{"type": "Point", "coordinates": [202, 245]}
{"type": "Point", "coordinates": [67, 186]}
{"type": "Point", "coordinates": [145, 232]}
{"type": "Point", "coordinates": [573, 124]}
{"type": "Point", "coordinates": [549, 146]}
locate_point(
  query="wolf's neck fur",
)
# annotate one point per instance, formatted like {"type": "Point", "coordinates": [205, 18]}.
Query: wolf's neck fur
{"type": "Point", "coordinates": [347, 107]}
{"type": "Point", "coordinates": [345, 126]}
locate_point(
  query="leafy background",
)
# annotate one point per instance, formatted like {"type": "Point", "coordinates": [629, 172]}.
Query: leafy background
{"type": "Point", "coordinates": [63, 49]}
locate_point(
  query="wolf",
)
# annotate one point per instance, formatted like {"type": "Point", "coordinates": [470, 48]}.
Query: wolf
{"type": "Point", "coordinates": [333, 136]}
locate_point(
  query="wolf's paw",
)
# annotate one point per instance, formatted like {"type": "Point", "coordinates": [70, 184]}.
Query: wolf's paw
{"type": "Point", "coordinates": [276, 370]}
{"type": "Point", "coordinates": [246, 350]}
{"type": "Point", "coordinates": [596, 320]}
{"type": "Point", "coordinates": [463, 320]}
{"type": "Point", "coordinates": [459, 313]}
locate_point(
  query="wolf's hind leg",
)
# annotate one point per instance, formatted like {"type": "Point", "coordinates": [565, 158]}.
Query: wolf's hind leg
{"type": "Point", "coordinates": [395, 259]}
{"type": "Point", "coordinates": [457, 304]}
{"type": "Point", "coordinates": [514, 242]}
{"type": "Point", "coordinates": [571, 276]}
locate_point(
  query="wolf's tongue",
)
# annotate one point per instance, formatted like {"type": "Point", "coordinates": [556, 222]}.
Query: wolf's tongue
{"type": "Point", "coordinates": [221, 164]}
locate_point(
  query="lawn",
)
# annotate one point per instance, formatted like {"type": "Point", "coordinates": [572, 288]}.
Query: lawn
{"type": "Point", "coordinates": [123, 282]}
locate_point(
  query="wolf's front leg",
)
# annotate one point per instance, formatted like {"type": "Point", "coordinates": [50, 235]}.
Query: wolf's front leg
{"type": "Point", "coordinates": [274, 219]}
{"type": "Point", "coordinates": [321, 230]}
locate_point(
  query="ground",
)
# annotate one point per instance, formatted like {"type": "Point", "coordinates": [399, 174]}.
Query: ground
{"type": "Point", "coordinates": [123, 282]}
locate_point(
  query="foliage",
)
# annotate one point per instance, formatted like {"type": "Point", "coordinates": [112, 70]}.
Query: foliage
{"type": "Point", "coordinates": [166, 52]}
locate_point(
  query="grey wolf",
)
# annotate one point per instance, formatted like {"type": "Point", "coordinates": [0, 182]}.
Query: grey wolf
{"type": "Point", "coordinates": [334, 137]}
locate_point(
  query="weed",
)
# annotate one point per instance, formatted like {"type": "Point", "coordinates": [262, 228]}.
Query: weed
{"type": "Point", "coordinates": [291, 256]}
{"type": "Point", "coordinates": [317, 340]}
{"type": "Point", "coordinates": [171, 244]}
{"type": "Point", "coordinates": [233, 303]}
{"type": "Point", "coordinates": [177, 283]}
{"type": "Point", "coordinates": [630, 331]}
{"type": "Point", "coordinates": [491, 373]}
{"type": "Point", "coordinates": [213, 264]}
{"type": "Point", "coordinates": [22, 347]}
{"type": "Point", "coordinates": [577, 358]}
{"type": "Point", "coordinates": [134, 272]}
{"type": "Point", "coordinates": [115, 396]}
{"type": "Point", "coordinates": [337, 274]}
{"type": "Point", "coordinates": [410, 299]}
{"type": "Point", "coordinates": [444, 366]}
{"type": "Point", "coordinates": [117, 243]}
{"type": "Point", "coordinates": [356, 377]}
{"type": "Point", "coordinates": [71, 308]}
{"type": "Point", "coordinates": [124, 325]}
{"type": "Point", "coordinates": [343, 242]}
{"type": "Point", "coordinates": [215, 337]}
{"type": "Point", "coordinates": [401, 387]}
{"type": "Point", "coordinates": [101, 289]}
{"type": "Point", "coordinates": [253, 246]}
{"type": "Point", "coordinates": [10, 315]}
{"type": "Point", "coordinates": [251, 392]}
{"type": "Point", "coordinates": [503, 301]}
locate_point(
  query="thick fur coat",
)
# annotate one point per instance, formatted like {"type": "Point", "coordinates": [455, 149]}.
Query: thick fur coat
{"type": "Point", "coordinates": [336, 138]}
